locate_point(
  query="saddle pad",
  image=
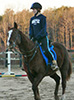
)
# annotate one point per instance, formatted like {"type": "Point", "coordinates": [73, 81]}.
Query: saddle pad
{"type": "Point", "coordinates": [54, 53]}
{"type": "Point", "coordinates": [45, 58]}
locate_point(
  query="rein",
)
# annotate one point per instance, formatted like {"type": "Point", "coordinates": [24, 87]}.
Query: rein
{"type": "Point", "coordinates": [28, 55]}
{"type": "Point", "coordinates": [32, 55]}
{"type": "Point", "coordinates": [31, 50]}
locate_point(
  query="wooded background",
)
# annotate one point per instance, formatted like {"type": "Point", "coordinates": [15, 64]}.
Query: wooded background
{"type": "Point", "coordinates": [60, 25]}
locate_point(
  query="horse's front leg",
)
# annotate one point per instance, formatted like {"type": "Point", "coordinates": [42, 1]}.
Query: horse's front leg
{"type": "Point", "coordinates": [36, 93]}
{"type": "Point", "coordinates": [57, 80]}
{"type": "Point", "coordinates": [35, 84]}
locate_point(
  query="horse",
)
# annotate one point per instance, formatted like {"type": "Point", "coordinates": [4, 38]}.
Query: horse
{"type": "Point", "coordinates": [34, 64]}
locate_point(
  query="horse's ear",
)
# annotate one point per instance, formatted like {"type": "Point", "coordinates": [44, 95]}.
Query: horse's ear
{"type": "Point", "coordinates": [15, 25]}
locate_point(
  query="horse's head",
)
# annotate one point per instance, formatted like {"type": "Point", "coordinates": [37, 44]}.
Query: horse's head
{"type": "Point", "coordinates": [14, 37]}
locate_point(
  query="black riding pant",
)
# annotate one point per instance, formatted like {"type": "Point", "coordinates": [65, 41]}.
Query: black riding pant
{"type": "Point", "coordinates": [43, 42]}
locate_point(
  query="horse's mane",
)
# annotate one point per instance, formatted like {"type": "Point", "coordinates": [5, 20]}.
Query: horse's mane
{"type": "Point", "coordinates": [23, 35]}
{"type": "Point", "coordinates": [25, 39]}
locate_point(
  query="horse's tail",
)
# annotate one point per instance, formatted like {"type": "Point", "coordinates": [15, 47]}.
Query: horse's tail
{"type": "Point", "coordinates": [69, 70]}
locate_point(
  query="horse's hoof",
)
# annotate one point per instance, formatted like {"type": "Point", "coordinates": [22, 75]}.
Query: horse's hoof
{"type": "Point", "coordinates": [37, 99]}
{"type": "Point", "coordinates": [22, 69]}
{"type": "Point", "coordinates": [63, 97]}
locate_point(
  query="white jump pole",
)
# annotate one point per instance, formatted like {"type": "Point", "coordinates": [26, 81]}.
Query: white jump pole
{"type": "Point", "coordinates": [9, 64]}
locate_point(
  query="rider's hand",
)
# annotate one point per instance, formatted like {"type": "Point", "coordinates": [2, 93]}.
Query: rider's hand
{"type": "Point", "coordinates": [33, 39]}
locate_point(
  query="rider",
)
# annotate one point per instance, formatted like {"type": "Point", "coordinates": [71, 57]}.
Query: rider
{"type": "Point", "coordinates": [37, 31]}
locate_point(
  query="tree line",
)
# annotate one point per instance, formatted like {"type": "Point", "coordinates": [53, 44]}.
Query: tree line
{"type": "Point", "coordinates": [60, 24]}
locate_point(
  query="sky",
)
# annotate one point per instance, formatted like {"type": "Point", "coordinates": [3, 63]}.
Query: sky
{"type": "Point", "coordinates": [19, 5]}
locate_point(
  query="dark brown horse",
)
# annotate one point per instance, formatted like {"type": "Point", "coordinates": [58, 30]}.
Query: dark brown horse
{"type": "Point", "coordinates": [34, 63]}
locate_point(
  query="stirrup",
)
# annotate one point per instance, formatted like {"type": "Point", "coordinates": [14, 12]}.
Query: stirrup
{"type": "Point", "coordinates": [54, 65]}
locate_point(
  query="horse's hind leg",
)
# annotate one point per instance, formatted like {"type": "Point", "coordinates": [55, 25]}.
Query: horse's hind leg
{"type": "Point", "coordinates": [63, 71]}
{"type": "Point", "coordinates": [57, 80]}
{"type": "Point", "coordinates": [63, 74]}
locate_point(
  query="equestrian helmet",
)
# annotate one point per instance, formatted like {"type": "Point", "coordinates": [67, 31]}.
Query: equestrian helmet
{"type": "Point", "coordinates": [36, 5]}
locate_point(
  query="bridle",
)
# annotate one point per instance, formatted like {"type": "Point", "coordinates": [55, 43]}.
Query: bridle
{"type": "Point", "coordinates": [27, 54]}
{"type": "Point", "coordinates": [14, 42]}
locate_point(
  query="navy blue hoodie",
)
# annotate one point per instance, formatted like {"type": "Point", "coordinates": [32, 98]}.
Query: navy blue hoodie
{"type": "Point", "coordinates": [37, 28]}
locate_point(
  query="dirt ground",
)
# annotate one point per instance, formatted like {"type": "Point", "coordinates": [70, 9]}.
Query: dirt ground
{"type": "Point", "coordinates": [12, 88]}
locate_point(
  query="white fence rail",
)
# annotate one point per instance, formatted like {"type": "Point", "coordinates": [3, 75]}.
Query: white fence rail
{"type": "Point", "coordinates": [8, 61]}
{"type": "Point", "coordinates": [4, 57]}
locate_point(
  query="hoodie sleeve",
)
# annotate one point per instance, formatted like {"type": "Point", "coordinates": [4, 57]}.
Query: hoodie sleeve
{"type": "Point", "coordinates": [43, 32]}
{"type": "Point", "coordinates": [30, 30]}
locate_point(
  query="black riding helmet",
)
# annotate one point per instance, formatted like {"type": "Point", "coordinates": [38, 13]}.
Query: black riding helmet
{"type": "Point", "coordinates": [36, 5]}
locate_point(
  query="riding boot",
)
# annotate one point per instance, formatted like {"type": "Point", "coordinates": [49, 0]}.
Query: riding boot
{"type": "Point", "coordinates": [44, 46]}
{"type": "Point", "coordinates": [54, 65]}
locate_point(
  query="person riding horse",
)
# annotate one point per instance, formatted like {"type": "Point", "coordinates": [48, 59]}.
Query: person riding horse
{"type": "Point", "coordinates": [35, 66]}
{"type": "Point", "coordinates": [37, 32]}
